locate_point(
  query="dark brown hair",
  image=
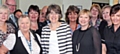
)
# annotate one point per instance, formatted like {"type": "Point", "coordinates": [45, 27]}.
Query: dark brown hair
{"type": "Point", "coordinates": [70, 9]}
{"type": "Point", "coordinates": [35, 8]}
{"type": "Point", "coordinates": [18, 10]}
{"type": "Point", "coordinates": [114, 9]}
{"type": "Point", "coordinates": [55, 8]}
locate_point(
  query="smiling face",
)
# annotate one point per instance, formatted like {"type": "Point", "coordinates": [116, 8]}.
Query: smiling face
{"type": "Point", "coordinates": [3, 15]}
{"type": "Point", "coordinates": [94, 12]}
{"type": "Point", "coordinates": [18, 14]}
{"type": "Point", "coordinates": [115, 18]}
{"type": "Point", "coordinates": [106, 13]}
{"type": "Point", "coordinates": [24, 24]}
{"type": "Point", "coordinates": [11, 5]}
{"type": "Point", "coordinates": [72, 16]}
{"type": "Point", "coordinates": [33, 15]}
{"type": "Point", "coordinates": [84, 19]}
{"type": "Point", "coordinates": [53, 16]}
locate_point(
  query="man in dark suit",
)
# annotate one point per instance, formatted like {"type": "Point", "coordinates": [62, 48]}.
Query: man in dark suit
{"type": "Point", "coordinates": [11, 4]}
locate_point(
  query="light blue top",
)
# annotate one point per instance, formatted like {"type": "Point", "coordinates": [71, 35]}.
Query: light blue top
{"type": "Point", "coordinates": [76, 29]}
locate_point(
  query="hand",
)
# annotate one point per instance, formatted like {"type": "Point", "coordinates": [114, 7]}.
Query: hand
{"type": "Point", "coordinates": [104, 49]}
{"type": "Point", "coordinates": [3, 49]}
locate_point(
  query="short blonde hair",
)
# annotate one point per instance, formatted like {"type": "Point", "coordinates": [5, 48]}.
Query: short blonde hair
{"type": "Point", "coordinates": [85, 11]}
{"type": "Point", "coordinates": [23, 16]}
{"type": "Point", "coordinates": [5, 8]}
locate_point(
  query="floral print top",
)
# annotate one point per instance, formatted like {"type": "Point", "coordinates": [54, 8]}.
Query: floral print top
{"type": "Point", "coordinates": [97, 24]}
{"type": "Point", "coordinates": [3, 35]}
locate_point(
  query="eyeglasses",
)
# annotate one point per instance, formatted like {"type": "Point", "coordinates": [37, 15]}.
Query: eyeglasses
{"type": "Point", "coordinates": [11, 5]}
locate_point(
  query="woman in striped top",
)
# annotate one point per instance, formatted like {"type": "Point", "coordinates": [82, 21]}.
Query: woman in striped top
{"type": "Point", "coordinates": [56, 37]}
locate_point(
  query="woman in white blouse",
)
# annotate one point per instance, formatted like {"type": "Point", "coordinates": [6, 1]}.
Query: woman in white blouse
{"type": "Point", "coordinates": [56, 37]}
{"type": "Point", "coordinates": [24, 41]}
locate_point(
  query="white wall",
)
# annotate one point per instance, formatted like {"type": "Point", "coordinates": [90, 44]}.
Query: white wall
{"type": "Point", "coordinates": [24, 4]}
{"type": "Point", "coordinates": [0, 1]}
{"type": "Point", "coordinates": [85, 4]}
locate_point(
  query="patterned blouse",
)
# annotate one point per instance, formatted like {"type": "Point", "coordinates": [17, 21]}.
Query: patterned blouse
{"type": "Point", "coordinates": [97, 23]}
{"type": "Point", "coordinates": [3, 35]}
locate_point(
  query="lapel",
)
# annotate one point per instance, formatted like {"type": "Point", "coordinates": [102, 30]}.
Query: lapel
{"type": "Point", "coordinates": [24, 41]}
{"type": "Point", "coordinates": [11, 21]}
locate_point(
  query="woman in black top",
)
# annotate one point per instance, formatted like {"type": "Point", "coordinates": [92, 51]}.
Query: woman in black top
{"type": "Point", "coordinates": [33, 13]}
{"type": "Point", "coordinates": [112, 33]}
{"type": "Point", "coordinates": [86, 40]}
{"type": "Point", "coordinates": [105, 22]}
{"type": "Point", "coordinates": [106, 19]}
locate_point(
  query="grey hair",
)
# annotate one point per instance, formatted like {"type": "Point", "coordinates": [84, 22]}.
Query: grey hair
{"type": "Point", "coordinates": [23, 16]}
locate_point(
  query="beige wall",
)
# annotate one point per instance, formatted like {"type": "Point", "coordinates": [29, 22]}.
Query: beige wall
{"type": "Point", "coordinates": [103, 1]}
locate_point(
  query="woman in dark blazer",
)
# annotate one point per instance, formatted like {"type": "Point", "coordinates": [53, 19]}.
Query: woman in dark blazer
{"type": "Point", "coordinates": [24, 41]}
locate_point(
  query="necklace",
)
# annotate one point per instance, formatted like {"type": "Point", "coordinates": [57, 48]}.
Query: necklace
{"type": "Point", "coordinates": [73, 26]}
{"type": "Point", "coordinates": [79, 40]}
{"type": "Point", "coordinates": [29, 44]}
{"type": "Point", "coordinates": [77, 47]}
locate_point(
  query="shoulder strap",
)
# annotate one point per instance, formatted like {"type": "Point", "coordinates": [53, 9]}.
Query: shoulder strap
{"type": "Point", "coordinates": [36, 39]}
{"type": "Point", "coordinates": [16, 34]}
